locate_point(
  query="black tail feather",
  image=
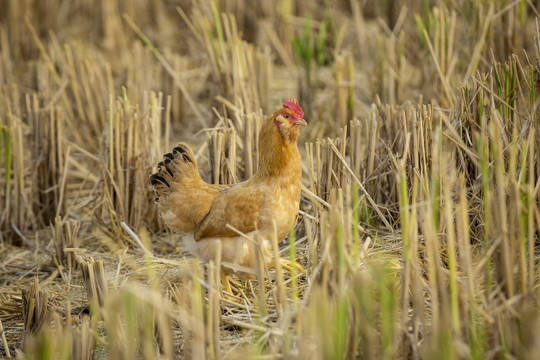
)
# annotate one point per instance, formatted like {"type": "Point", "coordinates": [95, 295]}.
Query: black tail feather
{"type": "Point", "coordinates": [163, 165]}
{"type": "Point", "coordinates": [173, 165]}
{"type": "Point", "coordinates": [156, 179]}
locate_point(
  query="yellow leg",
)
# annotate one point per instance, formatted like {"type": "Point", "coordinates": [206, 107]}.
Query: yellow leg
{"type": "Point", "coordinates": [226, 284]}
{"type": "Point", "coordinates": [287, 264]}
{"type": "Point", "coordinates": [228, 289]}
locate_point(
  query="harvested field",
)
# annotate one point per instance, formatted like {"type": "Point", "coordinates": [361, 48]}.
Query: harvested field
{"type": "Point", "coordinates": [419, 224]}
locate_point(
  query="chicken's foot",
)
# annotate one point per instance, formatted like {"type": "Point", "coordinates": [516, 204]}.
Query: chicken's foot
{"type": "Point", "coordinates": [228, 289]}
{"type": "Point", "coordinates": [287, 264]}
{"type": "Point", "coordinates": [226, 284]}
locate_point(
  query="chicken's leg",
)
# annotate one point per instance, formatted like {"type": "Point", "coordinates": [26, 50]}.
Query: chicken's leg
{"type": "Point", "coordinates": [226, 284]}
{"type": "Point", "coordinates": [228, 289]}
{"type": "Point", "coordinates": [287, 264]}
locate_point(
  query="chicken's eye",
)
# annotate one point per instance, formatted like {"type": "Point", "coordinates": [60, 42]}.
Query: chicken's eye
{"type": "Point", "coordinates": [287, 116]}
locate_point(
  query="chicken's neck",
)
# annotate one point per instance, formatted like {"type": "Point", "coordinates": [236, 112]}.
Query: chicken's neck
{"type": "Point", "coordinates": [278, 158]}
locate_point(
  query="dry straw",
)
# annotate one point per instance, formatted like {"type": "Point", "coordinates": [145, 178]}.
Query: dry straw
{"type": "Point", "coordinates": [419, 219]}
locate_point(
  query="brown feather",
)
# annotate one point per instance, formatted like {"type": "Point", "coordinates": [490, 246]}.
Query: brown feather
{"type": "Point", "coordinates": [238, 206]}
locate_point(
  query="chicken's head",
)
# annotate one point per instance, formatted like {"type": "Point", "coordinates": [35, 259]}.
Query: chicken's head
{"type": "Point", "coordinates": [289, 119]}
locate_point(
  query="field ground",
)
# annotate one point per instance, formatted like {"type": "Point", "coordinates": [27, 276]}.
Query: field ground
{"type": "Point", "coordinates": [420, 213]}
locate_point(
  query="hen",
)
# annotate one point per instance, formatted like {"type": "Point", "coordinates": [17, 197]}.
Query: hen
{"type": "Point", "coordinates": [201, 212]}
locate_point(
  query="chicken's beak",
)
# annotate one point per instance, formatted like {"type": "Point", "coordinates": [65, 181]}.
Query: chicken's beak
{"type": "Point", "coordinates": [301, 122]}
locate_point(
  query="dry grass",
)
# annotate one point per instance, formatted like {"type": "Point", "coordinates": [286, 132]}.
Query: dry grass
{"type": "Point", "coordinates": [420, 210]}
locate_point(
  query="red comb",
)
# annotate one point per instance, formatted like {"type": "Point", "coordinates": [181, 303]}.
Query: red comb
{"type": "Point", "coordinates": [293, 105]}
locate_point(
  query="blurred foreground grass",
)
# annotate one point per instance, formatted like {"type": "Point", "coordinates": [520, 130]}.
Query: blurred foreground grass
{"type": "Point", "coordinates": [419, 223]}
